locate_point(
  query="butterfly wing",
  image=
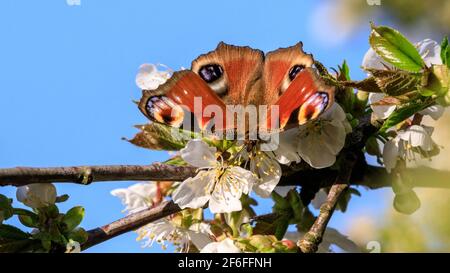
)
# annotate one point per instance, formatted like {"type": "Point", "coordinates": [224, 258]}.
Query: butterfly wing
{"type": "Point", "coordinates": [291, 83]}
{"type": "Point", "coordinates": [305, 99]}
{"type": "Point", "coordinates": [185, 92]}
{"type": "Point", "coordinates": [233, 72]}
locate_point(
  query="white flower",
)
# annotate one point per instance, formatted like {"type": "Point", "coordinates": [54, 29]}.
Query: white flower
{"type": "Point", "coordinates": [384, 111]}
{"type": "Point", "coordinates": [224, 246]}
{"type": "Point", "coordinates": [435, 111]}
{"type": "Point", "coordinates": [415, 140]}
{"type": "Point", "coordinates": [73, 247]}
{"type": "Point", "coordinates": [37, 195]}
{"type": "Point", "coordinates": [268, 171]}
{"type": "Point", "coordinates": [430, 51]}
{"type": "Point", "coordinates": [150, 77]}
{"type": "Point", "coordinates": [286, 151]}
{"type": "Point", "coordinates": [141, 196]}
{"type": "Point", "coordinates": [166, 230]}
{"type": "Point", "coordinates": [380, 111]}
{"type": "Point", "coordinates": [321, 140]}
{"type": "Point", "coordinates": [138, 196]}
{"type": "Point", "coordinates": [330, 237]}
{"type": "Point", "coordinates": [216, 182]}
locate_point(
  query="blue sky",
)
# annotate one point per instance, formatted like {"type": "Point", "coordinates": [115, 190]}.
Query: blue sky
{"type": "Point", "coordinates": [67, 80]}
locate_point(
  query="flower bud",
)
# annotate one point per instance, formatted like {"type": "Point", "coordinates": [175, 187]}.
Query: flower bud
{"type": "Point", "coordinates": [36, 195]}
{"type": "Point", "coordinates": [406, 203]}
{"type": "Point", "coordinates": [261, 242]}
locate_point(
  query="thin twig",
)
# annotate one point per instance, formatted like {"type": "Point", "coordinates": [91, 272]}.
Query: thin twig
{"type": "Point", "coordinates": [310, 242]}
{"type": "Point", "coordinates": [20, 176]}
{"type": "Point", "coordinates": [129, 223]}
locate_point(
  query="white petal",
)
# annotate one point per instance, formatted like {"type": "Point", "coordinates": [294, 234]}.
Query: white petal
{"type": "Point", "coordinates": [229, 188]}
{"type": "Point", "coordinates": [372, 60]}
{"type": "Point", "coordinates": [320, 147]}
{"type": "Point", "coordinates": [335, 112]}
{"type": "Point", "coordinates": [268, 171]}
{"type": "Point", "coordinates": [136, 197]}
{"type": "Point", "coordinates": [225, 246]}
{"type": "Point", "coordinates": [380, 111]}
{"type": "Point", "coordinates": [199, 154]}
{"type": "Point", "coordinates": [73, 247]}
{"type": "Point", "coordinates": [417, 136]}
{"type": "Point", "coordinates": [287, 148]}
{"type": "Point", "coordinates": [430, 51]}
{"type": "Point", "coordinates": [199, 239]}
{"type": "Point", "coordinates": [283, 190]}
{"type": "Point", "coordinates": [333, 136]}
{"type": "Point", "coordinates": [435, 111]}
{"type": "Point", "coordinates": [195, 192]}
{"type": "Point", "coordinates": [224, 204]}
{"type": "Point", "coordinates": [390, 154]}
{"type": "Point", "coordinates": [37, 195]}
{"type": "Point", "coordinates": [312, 150]}
{"type": "Point", "coordinates": [149, 77]}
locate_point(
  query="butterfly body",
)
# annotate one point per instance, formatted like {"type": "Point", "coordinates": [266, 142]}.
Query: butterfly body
{"type": "Point", "coordinates": [283, 81]}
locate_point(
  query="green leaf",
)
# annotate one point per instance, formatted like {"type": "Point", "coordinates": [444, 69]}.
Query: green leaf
{"type": "Point", "coordinates": [266, 225]}
{"type": "Point", "coordinates": [28, 221]}
{"type": "Point", "coordinates": [445, 52]}
{"type": "Point", "coordinates": [281, 227]}
{"type": "Point", "coordinates": [14, 246]}
{"type": "Point", "coordinates": [46, 245]}
{"type": "Point", "coordinates": [176, 161]}
{"type": "Point", "coordinates": [12, 233]}
{"type": "Point", "coordinates": [73, 218]}
{"type": "Point", "coordinates": [27, 218]}
{"type": "Point", "coordinates": [344, 71]}
{"type": "Point", "coordinates": [394, 48]}
{"type": "Point", "coordinates": [62, 198]}
{"type": "Point", "coordinates": [402, 114]}
{"type": "Point", "coordinates": [281, 204]}
{"type": "Point", "coordinates": [156, 136]}
{"type": "Point", "coordinates": [6, 210]}
{"type": "Point", "coordinates": [296, 204]}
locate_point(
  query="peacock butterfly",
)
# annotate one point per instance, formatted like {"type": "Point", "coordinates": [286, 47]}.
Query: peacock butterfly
{"type": "Point", "coordinates": [283, 80]}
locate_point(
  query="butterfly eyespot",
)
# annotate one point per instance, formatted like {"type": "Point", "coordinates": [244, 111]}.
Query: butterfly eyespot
{"type": "Point", "coordinates": [163, 110]}
{"type": "Point", "coordinates": [295, 70]}
{"type": "Point", "coordinates": [313, 107]}
{"type": "Point", "coordinates": [211, 72]}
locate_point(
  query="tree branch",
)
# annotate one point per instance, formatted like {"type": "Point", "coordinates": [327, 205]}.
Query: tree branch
{"type": "Point", "coordinates": [310, 242]}
{"type": "Point", "coordinates": [369, 176]}
{"type": "Point", "coordinates": [21, 176]}
{"type": "Point", "coordinates": [129, 223]}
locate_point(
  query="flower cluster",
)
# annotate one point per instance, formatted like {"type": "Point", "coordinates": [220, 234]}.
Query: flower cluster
{"type": "Point", "coordinates": [404, 90]}
{"type": "Point", "coordinates": [411, 140]}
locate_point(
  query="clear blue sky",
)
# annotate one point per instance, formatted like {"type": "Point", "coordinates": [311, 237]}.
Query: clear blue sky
{"type": "Point", "coordinates": [67, 80]}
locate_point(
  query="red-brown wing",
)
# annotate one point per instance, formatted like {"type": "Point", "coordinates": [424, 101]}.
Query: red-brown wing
{"type": "Point", "coordinates": [304, 100]}
{"type": "Point", "coordinates": [237, 72]}
{"type": "Point", "coordinates": [280, 69]}
{"type": "Point", "coordinates": [184, 90]}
